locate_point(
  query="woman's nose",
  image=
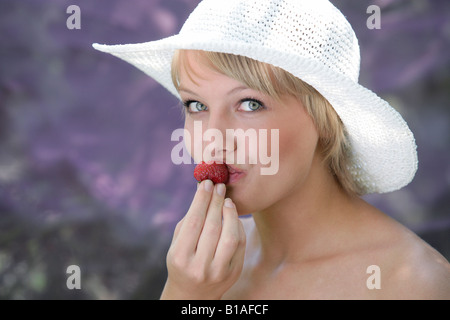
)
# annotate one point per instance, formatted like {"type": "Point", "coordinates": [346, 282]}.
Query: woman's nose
{"type": "Point", "coordinates": [217, 139]}
{"type": "Point", "coordinates": [217, 121]}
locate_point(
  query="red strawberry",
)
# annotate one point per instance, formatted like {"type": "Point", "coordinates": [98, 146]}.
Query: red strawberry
{"type": "Point", "coordinates": [216, 172]}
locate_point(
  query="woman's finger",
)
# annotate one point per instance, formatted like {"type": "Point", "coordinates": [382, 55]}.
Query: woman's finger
{"type": "Point", "coordinates": [189, 233]}
{"type": "Point", "coordinates": [237, 261]}
{"type": "Point", "coordinates": [212, 228]}
{"type": "Point", "coordinates": [177, 230]}
{"type": "Point", "coordinates": [232, 236]}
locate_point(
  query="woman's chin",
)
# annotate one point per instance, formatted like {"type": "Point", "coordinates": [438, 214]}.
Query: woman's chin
{"type": "Point", "coordinates": [244, 205]}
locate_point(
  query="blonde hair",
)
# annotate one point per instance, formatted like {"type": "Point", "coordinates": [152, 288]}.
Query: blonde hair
{"type": "Point", "coordinates": [276, 83]}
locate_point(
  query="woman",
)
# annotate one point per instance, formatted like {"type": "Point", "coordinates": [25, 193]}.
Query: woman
{"type": "Point", "coordinates": [292, 66]}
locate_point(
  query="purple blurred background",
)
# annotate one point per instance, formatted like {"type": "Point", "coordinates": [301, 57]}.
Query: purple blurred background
{"type": "Point", "coordinates": [85, 170]}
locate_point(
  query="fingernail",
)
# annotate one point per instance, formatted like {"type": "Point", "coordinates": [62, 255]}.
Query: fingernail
{"type": "Point", "coordinates": [208, 185]}
{"type": "Point", "coordinates": [228, 203]}
{"type": "Point", "coordinates": [220, 188]}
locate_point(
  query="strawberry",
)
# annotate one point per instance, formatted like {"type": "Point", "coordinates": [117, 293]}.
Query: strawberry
{"type": "Point", "coordinates": [216, 172]}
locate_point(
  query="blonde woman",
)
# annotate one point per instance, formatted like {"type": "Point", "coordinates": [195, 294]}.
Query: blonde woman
{"type": "Point", "coordinates": [291, 66]}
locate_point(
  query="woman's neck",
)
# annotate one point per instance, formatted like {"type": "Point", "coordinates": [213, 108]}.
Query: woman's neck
{"type": "Point", "coordinates": [307, 223]}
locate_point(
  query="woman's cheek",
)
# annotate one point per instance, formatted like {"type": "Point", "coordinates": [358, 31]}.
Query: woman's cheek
{"type": "Point", "coordinates": [188, 139]}
{"type": "Point", "coordinates": [194, 142]}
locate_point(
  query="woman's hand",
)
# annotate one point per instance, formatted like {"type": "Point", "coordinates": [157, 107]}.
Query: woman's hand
{"type": "Point", "coordinates": [207, 252]}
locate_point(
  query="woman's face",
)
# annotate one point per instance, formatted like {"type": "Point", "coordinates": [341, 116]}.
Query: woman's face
{"type": "Point", "coordinates": [218, 102]}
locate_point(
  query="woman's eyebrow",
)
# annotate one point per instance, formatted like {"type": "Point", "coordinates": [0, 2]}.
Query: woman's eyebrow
{"type": "Point", "coordinates": [232, 91]}
{"type": "Point", "coordinates": [181, 89]}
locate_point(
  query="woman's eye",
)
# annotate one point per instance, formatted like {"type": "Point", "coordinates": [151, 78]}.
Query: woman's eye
{"type": "Point", "coordinates": [195, 106]}
{"type": "Point", "coordinates": [251, 105]}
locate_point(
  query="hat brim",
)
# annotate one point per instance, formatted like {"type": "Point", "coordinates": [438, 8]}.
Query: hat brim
{"type": "Point", "coordinates": [383, 147]}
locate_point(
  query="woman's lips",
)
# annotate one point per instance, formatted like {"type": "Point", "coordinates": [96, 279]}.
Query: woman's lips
{"type": "Point", "coordinates": [233, 177]}
{"type": "Point", "coordinates": [234, 174]}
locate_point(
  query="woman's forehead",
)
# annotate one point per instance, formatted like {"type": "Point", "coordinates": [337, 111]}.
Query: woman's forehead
{"type": "Point", "coordinates": [193, 66]}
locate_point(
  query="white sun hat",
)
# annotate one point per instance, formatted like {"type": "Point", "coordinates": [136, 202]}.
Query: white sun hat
{"type": "Point", "coordinates": [313, 41]}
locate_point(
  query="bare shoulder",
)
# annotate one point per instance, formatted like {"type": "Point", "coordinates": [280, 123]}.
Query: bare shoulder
{"type": "Point", "coordinates": [416, 271]}
{"type": "Point", "coordinates": [410, 267]}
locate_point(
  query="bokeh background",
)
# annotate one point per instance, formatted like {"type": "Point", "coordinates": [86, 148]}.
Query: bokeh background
{"type": "Point", "coordinates": [85, 170]}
